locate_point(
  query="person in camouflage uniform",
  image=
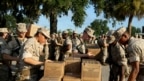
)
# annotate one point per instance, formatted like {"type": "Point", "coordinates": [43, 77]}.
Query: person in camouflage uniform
{"type": "Point", "coordinates": [84, 38]}
{"type": "Point", "coordinates": [135, 53]}
{"type": "Point", "coordinates": [58, 45]}
{"type": "Point", "coordinates": [18, 41]}
{"type": "Point", "coordinates": [117, 59]}
{"type": "Point", "coordinates": [34, 56]}
{"type": "Point", "coordinates": [66, 50]}
{"type": "Point", "coordinates": [75, 41]}
{"type": "Point", "coordinates": [87, 35]}
{"type": "Point", "coordinates": [16, 44]}
{"type": "Point", "coordinates": [5, 57]}
{"type": "Point", "coordinates": [52, 46]}
{"type": "Point", "coordinates": [104, 48]}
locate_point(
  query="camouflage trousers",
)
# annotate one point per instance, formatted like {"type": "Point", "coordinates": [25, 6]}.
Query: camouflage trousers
{"type": "Point", "coordinates": [57, 55]}
{"type": "Point", "coordinates": [4, 73]}
{"type": "Point", "coordinates": [29, 75]}
{"type": "Point", "coordinates": [65, 55]}
{"type": "Point", "coordinates": [104, 53]}
{"type": "Point", "coordinates": [115, 73]}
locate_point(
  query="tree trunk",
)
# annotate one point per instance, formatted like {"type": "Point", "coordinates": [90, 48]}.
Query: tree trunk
{"type": "Point", "coordinates": [53, 23]}
{"type": "Point", "coordinates": [129, 29]}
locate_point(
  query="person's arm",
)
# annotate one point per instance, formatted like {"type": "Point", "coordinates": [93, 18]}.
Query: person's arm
{"type": "Point", "coordinates": [32, 61]}
{"type": "Point", "coordinates": [9, 58]}
{"type": "Point", "coordinates": [122, 74]}
{"type": "Point", "coordinates": [135, 71]}
{"type": "Point", "coordinates": [83, 55]}
{"type": "Point", "coordinates": [58, 43]}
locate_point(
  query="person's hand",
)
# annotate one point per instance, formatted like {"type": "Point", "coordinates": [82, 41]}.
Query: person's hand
{"type": "Point", "coordinates": [49, 61]}
{"type": "Point", "coordinates": [90, 55]}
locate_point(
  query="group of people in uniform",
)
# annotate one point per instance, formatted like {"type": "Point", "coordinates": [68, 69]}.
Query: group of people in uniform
{"type": "Point", "coordinates": [29, 54]}
{"type": "Point", "coordinates": [120, 50]}
{"type": "Point", "coordinates": [124, 54]}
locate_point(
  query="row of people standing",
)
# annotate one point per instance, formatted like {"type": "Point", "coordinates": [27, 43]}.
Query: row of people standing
{"type": "Point", "coordinates": [31, 53]}
{"type": "Point", "coordinates": [64, 44]}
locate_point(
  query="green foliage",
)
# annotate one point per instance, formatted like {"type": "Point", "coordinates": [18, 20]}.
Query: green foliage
{"type": "Point", "coordinates": [29, 11]}
{"type": "Point", "coordinates": [70, 31]}
{"type": "Point", "coordinates": [98, 5]}
{"type": "Point", "coordinates": [100, 27]}
{"type": "Point", "coordinates": [120, 9]}
{"type": "Point", "coordinates": [135, 30]}
{"type": "Point", "coordinates": [78, 10]}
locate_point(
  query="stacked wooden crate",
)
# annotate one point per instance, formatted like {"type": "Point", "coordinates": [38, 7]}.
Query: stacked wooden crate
{"type": "Point", "coordinates": [32, 29]}
{"type": "Point", "coordinates": [53, 71]}
{"type": "Point", "coordinates": [91, 70]}
{"type": "Point", "coordinates": [72, 69]}
{"type": "Point", "coordinates": [71, 77]}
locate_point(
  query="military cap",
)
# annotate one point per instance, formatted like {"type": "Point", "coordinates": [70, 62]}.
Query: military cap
{"type": "Point", "coordinates": [21, 27]}
{"type": "Point", "coordinates": [44, 31]}
{"type": "Point", "coordinates": [3, 29]}
{"type": "Point", "coordinates": [119, 32]}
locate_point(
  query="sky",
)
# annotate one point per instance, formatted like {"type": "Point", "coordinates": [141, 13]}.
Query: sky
{"type": "Point", "coordinates": [65, 21]}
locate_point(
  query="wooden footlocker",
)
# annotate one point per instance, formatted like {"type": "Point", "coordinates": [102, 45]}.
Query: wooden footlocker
{"type": "Point", "coordinates": [73, 65]}
{"type": "Point", "coordinates": [51, 79]}
{"type": "Point", "coordinates": [54, 69]}
{"type": "Point", "coordinates": [91, 70]}
{"type": "Point", "coordinates": [71, 77]}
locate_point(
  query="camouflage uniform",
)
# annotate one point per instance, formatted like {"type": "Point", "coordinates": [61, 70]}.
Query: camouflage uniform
{"type": "Point", "coordinates": [118, 59]}
{"type": "Point", "coordinates": [101, 42]}
{"type": "Point", "coordinates": [52, 48]}
{"type": "Point", "coordinates": [5, 73]}
{"type": "Point", "coordinates": [13, 45]}
{"type": "Point", "coordinates": [4, 69]}
{"type": "Point", "coordinates": [135, 52]}
{"type": "Point", "coordinates": [34, 50]}
{"type": "Point", "coordinates": [58, 47]}
{"type": "Point", "coordinates": [66, 53]}
{"type": "Point", "coordinates": [75, 42]}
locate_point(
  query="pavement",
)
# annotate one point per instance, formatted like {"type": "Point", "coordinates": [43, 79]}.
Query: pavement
{"type": "Point", "coordinates": [105, 73]}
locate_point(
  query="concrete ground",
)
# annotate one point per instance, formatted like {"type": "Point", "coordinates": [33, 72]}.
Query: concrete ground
{"type": "Point", "coordinates": [105, 73]}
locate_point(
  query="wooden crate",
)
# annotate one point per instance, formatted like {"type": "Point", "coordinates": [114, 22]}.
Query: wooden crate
{"type": "Point", "coordinates": [50, 79]}
{"type": "Point", "coordinates": [71, 77]}
{"type": "Point", "coordinates": [93, 48]}
{"type": "Point", "coordinates": [91, 70]}
{"type": "Point", "coordinates": [73, 65]}
{"type": "Point", "coordinates": [94, 51]}
{"type": "Point", "coordinates": [32, 29]}
{"type": "Point", "coordinates": [54, 69]}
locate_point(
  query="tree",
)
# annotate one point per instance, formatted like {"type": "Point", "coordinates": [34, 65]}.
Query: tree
{"type": "Point", "coordinates": [121, 9]}
{"type": "Point", "coordinates": [135, 30]}
{"type": "Point", "coordinates": [58, 8]}
{"type": "Point", "coordinates": [52, 9]}
{"type": "Point", "coordinates": [15, 11]}
{"type": "Point", "coordinates": [100, 27]}
{"type": "Point", "coordinates": [70, 31]}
